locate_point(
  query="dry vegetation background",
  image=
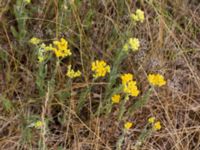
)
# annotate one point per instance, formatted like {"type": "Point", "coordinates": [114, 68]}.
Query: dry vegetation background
{"type": "Point", "coordinates": [170, 45]}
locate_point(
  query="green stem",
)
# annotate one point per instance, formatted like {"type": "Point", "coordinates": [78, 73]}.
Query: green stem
{"type": "Point", "coordinates": [120, 141]}
{"type": "Point", "coordinates": [122, 108]}
{"type": "Point", "coordinates": [141, 102]}
{"type": "Point", "coordinates": [120, 55]}
{"type": "Point", "coordinates": [145, 133]}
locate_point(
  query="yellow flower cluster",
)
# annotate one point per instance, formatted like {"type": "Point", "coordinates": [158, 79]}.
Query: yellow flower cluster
{"type": "Point", "coordinates": [133, 44]}
{"type": "Point", "coordinates": [126, 78]}
{"type": "Point", "coordinates": [138, 16]}
{"type": "Point", "coordinates": [151, 119]}
{"type": "Point", "coordinates": [156, 79]}
{"type": "Point", "coordinates": [34, 41]}
{"type": "Point", "coordinates": [38, 124]}
{"type": "Point", "coordinates": [71, 73]}
{"type": "Point", "coordinates": [128, 125]}
{"type": "Point", "coordinates": [156, 125]}
{"type": "Point", "coordinates": [28, 1]}
{"type": "Point", "coordinates": [41, 48]}
{"type": "Point", "coordinates": [100, 68]}
{"type": "Point", "coordinates": [61, 49]}
{"type": "Point", "coordinates": [116, 98]}
{"type": "Point", "coordinates": [129, 86]}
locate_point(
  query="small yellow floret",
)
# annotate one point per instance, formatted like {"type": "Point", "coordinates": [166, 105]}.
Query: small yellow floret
{"type": "Point", "coordinates": [138, 16]}
{"type": "Point", "coordinates": [116, 98]}
{"type": "Point", "coordinates": [27, 1]}
{"type": "Point", "coordinates": [126, 78]}
{"type": "Point", "coordinates": [61, 49]}
{"type": "Point", "coordinates": [38, 124]}
{"type": "Point", "coordinates": [62, 44]}
{"type": "Point", "coordinates": [131, 88]}
{"type": "Point", "coordinates": [134, 44]}
{"type": "Point", "coordinates": [126, 47]}
{"type": "Point", "coordinates": [128, 125]}
{"type": "Point", "coordinates": [72, 74]}
{"type": "Point", "coordinates": [41, 59]}
{"type": "Point", "coordinates": [34, 40]}
{"type": "Point", "coordinates": [134, 17]}
{"type": "Point", "coordinates": [156, 79]}
{"type": "Point", "coordinates": [100, 68]}
{"type": "Point", "coordinates": [151, 120]}
{"type": "Point", "coordinates": [157, 126]}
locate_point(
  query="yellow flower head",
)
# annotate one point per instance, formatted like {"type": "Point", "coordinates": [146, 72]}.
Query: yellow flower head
{"type": "Point", "coordinates": [126, 78]}
{"type": "Point", "coordinates": [28, 1]}
{"type": "Point", "coordinates": [134, 17]}
{"type": "Point", "coordinates": [41, 59]}
{"type": "Point", "coordinates": [151, 120]}
{"type": "Point", "coordinates": [62, 44]}
{"type": "Point", "coordinates": [156, 79]}
{"type": "Point", "coordinates": [134, 44]}
{"type": "Point", "coordinates": [138, 16]}
{"type": "Point", "coordinates": [128, 125]}
{"type": "Point", "coordinates": [131, 88]}
{"type": "Point", "coordinates": [157, 126]}
{"type": "Point", "coordinates": [116, 98]}
{"type": "Point", "coordinates": [34, 40]}
{"type": "Point", "coordinates": [126, 47]}
{"type": "Point", "coordinates": [71, 73]}
{"type": "Point", "coordinates": [61, 49]}
{"type": "Point", "coordinates": [38, 124]}
{"type": "Point", "coordinates": [100, 68]}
